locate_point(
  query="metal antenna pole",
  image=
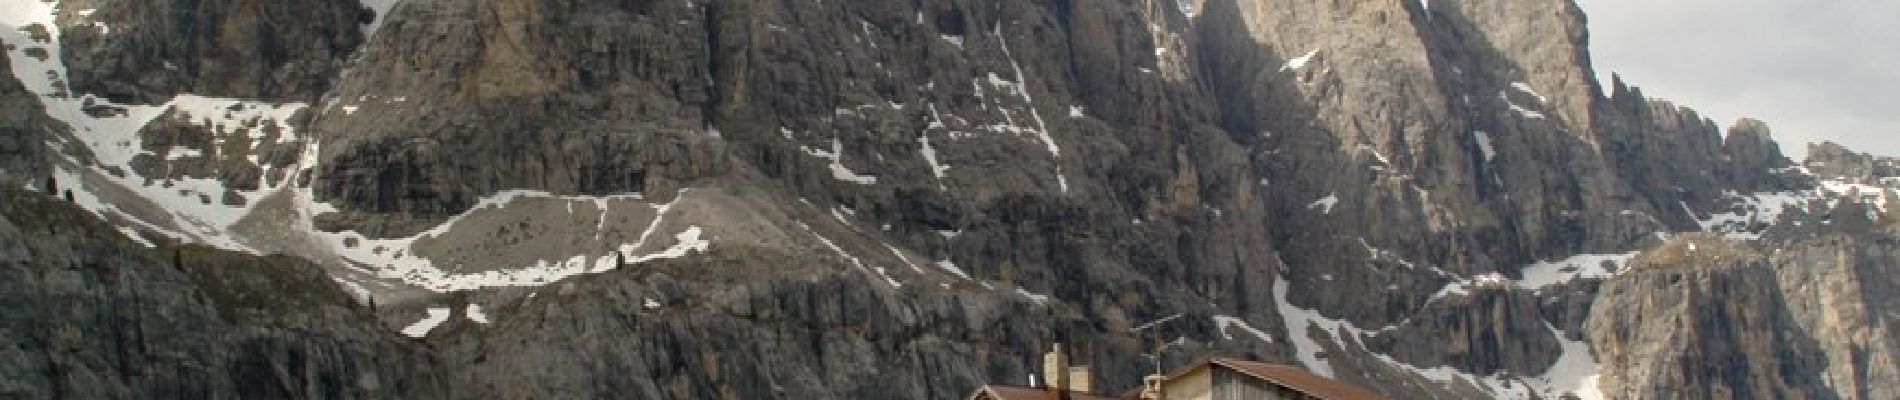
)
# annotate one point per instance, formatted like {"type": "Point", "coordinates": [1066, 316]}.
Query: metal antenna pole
{"type": "Point", "coordinates": [1151, 385]}
{"type": "Point", "coordinates": [1157, 336]}
{"type": "Point", "coordinates": [1154, 326]}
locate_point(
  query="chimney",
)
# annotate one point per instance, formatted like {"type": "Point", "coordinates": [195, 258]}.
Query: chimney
{"type": "Point", "coordinates": [1079, 379]}
{"type": "Point", "coordinates": [1060, 376]}
{"type": "Point", "coordinates": [1055, 368]}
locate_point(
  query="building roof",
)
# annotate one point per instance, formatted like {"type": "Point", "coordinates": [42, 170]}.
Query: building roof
{"type": "Point", "coordinates": [1297, 379]}
{"type": "Point", "coordinates": [1007, 392]}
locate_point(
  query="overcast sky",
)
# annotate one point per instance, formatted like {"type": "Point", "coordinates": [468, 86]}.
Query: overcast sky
{"type": "Point", "coordinates": [1814, 70]}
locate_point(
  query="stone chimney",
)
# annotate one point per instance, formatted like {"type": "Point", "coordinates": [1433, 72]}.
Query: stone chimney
{"type": "Point", "coordinates": [1055, 368]}
{"type": "Point", "coordinates": [1079, 380]}
{"type": "Point", "coordinates": [1059, 375]}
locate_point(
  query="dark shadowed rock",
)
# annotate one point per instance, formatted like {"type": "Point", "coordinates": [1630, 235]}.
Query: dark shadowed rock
{"type": "Point", "coordinates": [139, 51]}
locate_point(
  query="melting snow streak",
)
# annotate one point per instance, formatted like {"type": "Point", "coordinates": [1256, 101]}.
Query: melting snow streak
{"type": "Point", "coordinates": [1299, 62]}
{"type": "Point", "coordinates": [1223, 323]}
{"type": "Point", "coordinates": [421, 328]}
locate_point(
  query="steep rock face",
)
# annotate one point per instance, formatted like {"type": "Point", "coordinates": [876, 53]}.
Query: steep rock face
{"type": "Point", "coordinates": [1415, 123]}
{"type": "Point", "coordinates": [667, 331]}
{"type": "Point", "coordinates": [92, 314]}
{"type": "Point", "coordinates": [1722, 330]}
{"type": "Point", "coordinates": [1704, 318]}
{"type": "Point", "coordinates": [1841, 289]}
{"type": "Point", "coordinates": [147, 51]}
{"type": "Point", "coordinates": [1406, 155]}
{"type": "Point", "coordinates": [1755, 162]}
{"type": "Point", "coordinates": [1490, 331]}
{"type": "Point", "coordinates": [459, 99]}
{"type": "Point", "coordinates": [1681, 163]}
{"type": "Point", "coordinates": [24, 131]}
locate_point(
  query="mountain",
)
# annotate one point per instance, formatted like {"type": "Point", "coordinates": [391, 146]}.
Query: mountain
{"type": "Point", "coordinates": [876, 199]}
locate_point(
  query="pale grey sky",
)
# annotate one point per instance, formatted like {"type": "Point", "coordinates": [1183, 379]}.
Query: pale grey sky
{"type": "Point", "coordinates": [1814, 70]}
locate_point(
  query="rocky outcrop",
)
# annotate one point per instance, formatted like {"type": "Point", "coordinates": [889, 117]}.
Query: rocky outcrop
{"type": "Point", "coordinates": [1829, 159]}
{"type": "Point", "coordinates": [1706, 318]}
{"type": "Point", "coordinates": [1681, 163]}
{"type": "Point", "coordinates": [1702, 326]}
{"type": "Point", "coordinates": [92, 314]}
{"type": "Point", "coordinates": [1840, 289]}
{"type": "Point", "coordinates": [242, 155]}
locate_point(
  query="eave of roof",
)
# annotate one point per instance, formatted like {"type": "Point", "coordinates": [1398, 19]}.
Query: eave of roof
{"type": "Point", "coordinates": [1011, 392]}
{"type": "Point", "coordinates": [1298, 379]}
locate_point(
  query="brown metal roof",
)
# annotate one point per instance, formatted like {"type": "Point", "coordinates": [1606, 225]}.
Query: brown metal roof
{"type": "Point", "coordinates": [1299, 380]}
{"type": "Point", "coordinates": [1006, 392]}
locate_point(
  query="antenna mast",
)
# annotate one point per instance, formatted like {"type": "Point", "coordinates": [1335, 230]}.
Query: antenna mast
{"type": "Point", "coordinates": [1154, 327]}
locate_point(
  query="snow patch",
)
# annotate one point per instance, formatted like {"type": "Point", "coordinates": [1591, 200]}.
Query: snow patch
{"type": "Point", "coordinates": [1325, 204]}
{"type": "Point", "coordinates": [1223, 323]}
{"type": "Point", "coordinates": [954, 40]}
{"type": "Point", "coordinates": [937, 167]}
{"type": "Point", "coordinates": [1484, 145]}
{"type": "Point", "coordinates": [838, 170]}
{"type": "Point", "coordinates": [855, 262]}
{"type": "Point", "coordinates": [474, 313]}
{"type": "Point", "coordinates": [1298, 320]}
{"type": "Point", "coordinates": [189, 208]}
{"type": "Point", "coordinates": [136, 237]}
{"type": "Point", "coordinates": [1022, 91]}
{"type": "Point", "coordinates": [391, 258]}
{"type": "Point", "coordinates": [1521, 111]}
{"type": "Point", "coordinates": [1526, 88]}
{"type": "Point", "coordinates": [951, 267]}
{"type": "Point", "coordinates": [901, 257]}
{"type": "Point", "coordinates": [1750, 214]}
{"type": "Point", "coordinates": [1576, 371]}
{"type": "Point", "coordinates": [1583, 266]}
{"type": "Point", "coordinates": [1540, 275]}
{"type": "Point", "coordinates": [1038, 298]}
{"type": "Point", "coordinates": [421, 328]}
{"type": "Point", "coordinates": [1299, 62]}
{"type": "Point", "coordinates": [1376, 155]}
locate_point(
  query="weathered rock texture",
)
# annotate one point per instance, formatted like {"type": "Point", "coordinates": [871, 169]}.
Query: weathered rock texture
{"type": "Point", "coordinates": [1703, 318]}
{"type": "Point", "coordinates": [24, 132]}
{"type": "Point", "coordinates": [904, 199]}
{"type": "Point", "coordinates": [145, 51]}
{"type": "Point", "coordinates": [91, 314]}
{"type": "Point", "coordinates": [1832, 160]}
